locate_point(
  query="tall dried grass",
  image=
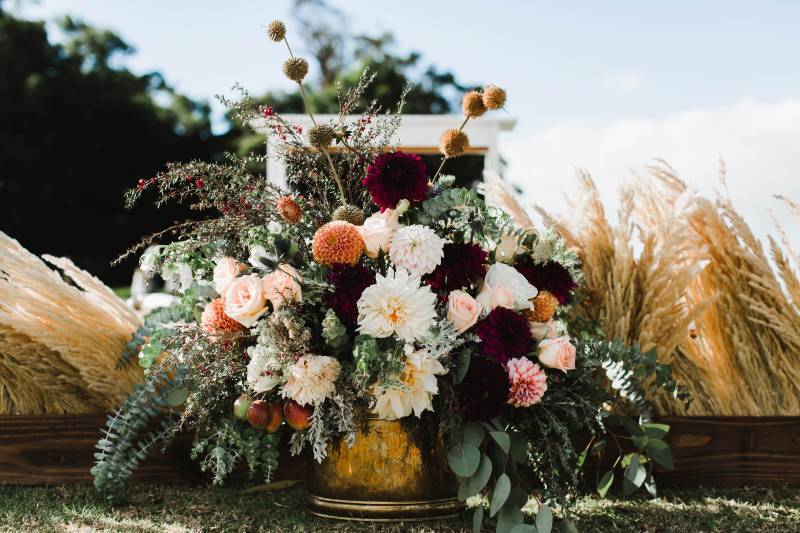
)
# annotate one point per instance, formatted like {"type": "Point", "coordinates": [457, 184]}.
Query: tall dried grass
{"type": "Point", "coordinates": [61, 333]}
{"type": "Point", "coordinates": [685, 275]}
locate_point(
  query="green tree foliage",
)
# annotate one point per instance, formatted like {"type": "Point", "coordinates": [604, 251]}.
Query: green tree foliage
{"type": "Point", "coordinates": [77, 129]}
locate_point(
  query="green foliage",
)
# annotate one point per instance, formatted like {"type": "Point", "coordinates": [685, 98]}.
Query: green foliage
{"type": "Point", "coordinates": [232, 441]}
{"type": "Point", "coordinates": [334, 332]}
{"type": "Point", "coordinates": [132, 433]}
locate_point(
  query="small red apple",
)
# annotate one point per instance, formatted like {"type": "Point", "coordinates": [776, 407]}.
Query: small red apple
{"type": "Point", "coordinates": [297, 416]}
{"type": "Point", "coordinates": [275, 418]}
{"type": "Point", "coordinates": [258, 413]}
{"type": "Point", "coordinates": [241, 405]}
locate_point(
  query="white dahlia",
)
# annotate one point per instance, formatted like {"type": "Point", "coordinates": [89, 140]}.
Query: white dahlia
{"type": "Point", "coordinates": [312, 379]}
{"type": "Point", "coordinates": [415, 390]}
{"type": "Point", "coordinates": [417, 249]}
{"type": "Point", "coordinates": [396, 304]}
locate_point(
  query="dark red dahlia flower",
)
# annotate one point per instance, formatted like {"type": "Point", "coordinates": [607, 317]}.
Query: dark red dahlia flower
{"type": "Point", "coordinates": [504, 334]}
{"type": "Point", "coordinates": [484, 390]}
{"type": "Point", "coordinates": [551, 276]}
{"type": "Point", "coordinates": [349, 282]}
{"type": "Point", "coordinates": [461, 265]}
{"type": "Point", "coordinates": [394, 176]}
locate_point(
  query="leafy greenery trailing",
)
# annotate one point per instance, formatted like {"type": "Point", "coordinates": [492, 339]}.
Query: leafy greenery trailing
{"type": "Point", "coordinates": [132, 432]}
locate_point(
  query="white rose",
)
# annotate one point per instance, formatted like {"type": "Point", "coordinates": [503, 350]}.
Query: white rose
{"type": "Point", "coordinates": [274, 227]}
{"type": "Point", "coordinates": [503, 286]}
{"type": "Point", "coordinates": [225, 272]}
{"type": "Point", "coordinates": [462, 310]}
{"type": "Point", "coordinates": [181, 273]}
{"type": "Point", "coordinates": [378, 230]}
{"type": "Point", "coordinates": [245, 300]}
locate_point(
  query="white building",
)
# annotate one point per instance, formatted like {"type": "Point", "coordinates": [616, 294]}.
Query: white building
{"type": "Point", "coordinates": [417, 134]}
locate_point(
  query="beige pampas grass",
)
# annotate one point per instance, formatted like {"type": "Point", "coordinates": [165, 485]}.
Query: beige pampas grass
{"type": "Point", "coordinates": [676, 262]}
{"type": "Point", "coordinates": [60, 339]}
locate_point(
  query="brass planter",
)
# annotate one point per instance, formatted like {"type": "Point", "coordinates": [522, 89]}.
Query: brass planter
{"type": "Point", "coordinates": [392, 472]}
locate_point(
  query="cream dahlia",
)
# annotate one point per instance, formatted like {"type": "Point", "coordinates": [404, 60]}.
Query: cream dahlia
{"type": "Point", "coordinates": [415, 390]}
{"type": "Point", "coordinates": [417, 249]}
{"type": "Point", "coordinates": [312, 379]}
{"type": "Point", "coordinates": [528, 382]}
{"type": "Point", "coordinates": [397, 304]}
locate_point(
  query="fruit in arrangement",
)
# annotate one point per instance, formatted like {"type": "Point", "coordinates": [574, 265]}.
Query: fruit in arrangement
{"type": "Point", "coordinates": [297, 416]}
{"type": "Point", "coordinates": [241, 405]}
{"type": "Point", "coordinates": [275, 418]}
{"type": "Point", "coordinates": [258, 414]}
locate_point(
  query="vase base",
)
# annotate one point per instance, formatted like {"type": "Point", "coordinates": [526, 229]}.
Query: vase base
{"type": "Point", "coordinates": [384, 511]}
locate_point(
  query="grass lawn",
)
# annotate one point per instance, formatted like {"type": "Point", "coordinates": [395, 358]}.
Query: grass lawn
{"type": "Point", "coordinates": [173, 508]}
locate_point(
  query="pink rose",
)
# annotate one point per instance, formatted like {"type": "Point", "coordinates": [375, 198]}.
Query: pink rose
{"type": "Point", "coordinates": [462, 310]}
{"type": "Point", "coordinates": [283, 285]}
{"type": "Point", "coordinates": [245, 300]}
{"type": "Point", "coordinates": [225, 272]}
{"type": "Point", "coordinates": [503, 286]}
{"type": "Point", "coordinates": [557, 353]}
{"type": "Point", "coordinates": [378, 231]}
{"type": "Point", "coordinates": [542, 330]}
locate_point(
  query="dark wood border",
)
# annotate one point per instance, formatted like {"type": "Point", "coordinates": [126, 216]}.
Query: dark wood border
{"type": "Point", "coordinates": [52, 449]}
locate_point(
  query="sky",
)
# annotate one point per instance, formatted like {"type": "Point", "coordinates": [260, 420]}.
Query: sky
{"type": "Point", "coordinates": [606, 86]}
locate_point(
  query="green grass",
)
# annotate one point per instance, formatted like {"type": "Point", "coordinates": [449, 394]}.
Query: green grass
{"type": "Point", "coordinates": [176, 509]}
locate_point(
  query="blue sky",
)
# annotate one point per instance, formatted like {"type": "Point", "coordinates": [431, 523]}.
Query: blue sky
{"type": "Point", "coordinates": [604, 85]}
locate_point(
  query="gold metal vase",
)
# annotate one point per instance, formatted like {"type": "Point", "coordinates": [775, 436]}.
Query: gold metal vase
{"type": "Point", "coordinates": [394, 471]}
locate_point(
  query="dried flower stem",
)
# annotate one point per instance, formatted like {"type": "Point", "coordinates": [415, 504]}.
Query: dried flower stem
{"type": "Point", "coordinates": [314, 122]}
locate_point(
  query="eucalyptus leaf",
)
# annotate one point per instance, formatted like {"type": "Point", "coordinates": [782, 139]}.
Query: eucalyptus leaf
{"type": "Point", "coordinates": [473, 434]}
{"type": "Point", "coordinates": [177, 397]}
{"type": "Point", "coordinates": [502, 488]}
{"type": "Point", "coordinates": [655, 431]}
{"type": "Point", "coordinates": [475, 483]}
{"type": "Point", "coordinates": [502, 439]}
{"type": "Point", "coordinates": [462, 366]}
{"type": "Point", "coordinates": [519, 447]}
{"type": "Point", "coordinates": [660, 452]}
{"type": "Point", "coordinates": [477, 519]}
{"type": "Point", "coordinates": [524, 528]}
{"type": "Point", "coordinates": [509, 517]}
{"type": "Point", "coordinates": [464, 459]}
{"type": "Point", "coordinates": [544, 519]}
{"type": "Point", "coordinates": [605, 483]}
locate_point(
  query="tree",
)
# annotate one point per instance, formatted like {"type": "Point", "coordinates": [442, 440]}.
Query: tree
{"type": "Point", "coordinates": [76, 132]}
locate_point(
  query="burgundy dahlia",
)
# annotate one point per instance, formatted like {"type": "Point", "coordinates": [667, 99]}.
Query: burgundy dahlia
{"type": "Point", "coordinates": [349, 282]}
{"type": "Point", "coordinates": [551, 276]}
{"type": "Point", "coordinates": [394, 176]}
{"type": "Point", "coordinates": [504, 335]}
{"type": "Point", "coordinates": [461, 265]}
{"type": "Point", "coordinates": [484, 390]}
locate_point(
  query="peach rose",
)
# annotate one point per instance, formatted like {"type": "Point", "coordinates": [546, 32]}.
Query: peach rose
{"type": "Point", "coordinates": [542, 330]}
{"type": "Point", "coordinates": [283, 285]}
{"type": "Point", "coordinates": [378, 230]}
{"type": "Point", "coordinates": [507, 247]}
{"type": "Point", "coordinates": [557, 353]}
{"type": "Point", "coordinates": [462, 310]}
{"type": "Point", "coordinates": [503, 286]}
{"type": "Point", "coordinates": [245, 300]}
{"type": "Point", "coordinates": [225, 272]}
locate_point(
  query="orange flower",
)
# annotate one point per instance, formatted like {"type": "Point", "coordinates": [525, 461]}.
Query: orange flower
{"type": "Point", "coordinates": [215, 321]}
{"type": "Point", "coordinates": [337, 242]}
{"type": "Point", "coordinates": [289, 209]}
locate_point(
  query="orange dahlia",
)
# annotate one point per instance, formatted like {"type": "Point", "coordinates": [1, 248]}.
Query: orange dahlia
{"type": "Point", "coordinates": [544, 307]}
{"type": "Point", "coordinates": [289, 209]}
{"type": "Point", "coordinates": [215, 321]}
{"type": "Point", "coordinates": [337, 243]}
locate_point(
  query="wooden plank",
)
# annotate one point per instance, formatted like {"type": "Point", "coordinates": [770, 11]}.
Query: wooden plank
{"type": "Point", "coordinates": [729, 451]}
{"type": "Point", "coordinates": [51, 449]}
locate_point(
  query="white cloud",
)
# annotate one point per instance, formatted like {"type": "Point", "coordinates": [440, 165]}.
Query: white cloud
{"type": "Point", "coordinates": [624, 83]}
{"type": "Point", "coordinates": [760, 143]}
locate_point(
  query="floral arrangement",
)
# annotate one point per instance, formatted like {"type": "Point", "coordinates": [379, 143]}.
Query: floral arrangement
{"type": "Point", "coordinates": [370, 287]}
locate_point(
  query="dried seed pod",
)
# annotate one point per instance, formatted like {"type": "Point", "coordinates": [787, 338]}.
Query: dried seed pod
{"type": "Point", "coordinates": [472, 104]}
{"type": "Point", "coordinates": [295, 68]}
{"type": "Point", "coordinates": [320, 136]}
{"type": "Point", "coordinates": [349, 213]}
{"type": "Point", "coordinates": [494, 97]}
{"type": "Point", "coordinates": [276, 31]}
{"type": "Point", "coordinates": [453, 143]}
